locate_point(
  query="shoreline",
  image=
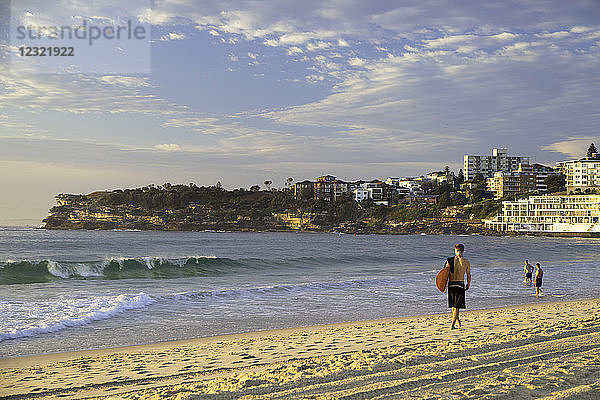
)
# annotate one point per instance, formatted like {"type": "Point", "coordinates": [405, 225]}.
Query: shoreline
{"type": "Point", "coordinates": [392, 231]}
{"type": "Point", "coordinates": [266, 332]}
{"type": "Point", "coordinates": [339, 356]}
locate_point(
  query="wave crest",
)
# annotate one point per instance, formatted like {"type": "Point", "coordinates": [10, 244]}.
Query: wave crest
{"type": "Point", "coordinates": [70, 313]}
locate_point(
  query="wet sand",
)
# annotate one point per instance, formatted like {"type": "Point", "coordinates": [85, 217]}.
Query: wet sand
{"type": "Point", "coordinates": [547, 350]}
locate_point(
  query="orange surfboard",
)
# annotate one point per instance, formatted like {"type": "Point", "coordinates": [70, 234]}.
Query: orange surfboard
{"type": "Point", "coordinates": [441, 279]}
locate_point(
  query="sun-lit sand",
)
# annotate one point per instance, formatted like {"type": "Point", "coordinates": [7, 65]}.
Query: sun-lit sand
{"type": "Point", "coordinates": [544, 350]}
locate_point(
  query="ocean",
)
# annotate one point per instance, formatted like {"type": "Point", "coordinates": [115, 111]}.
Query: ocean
{"type": "Point", "coordinates": [75, 290]}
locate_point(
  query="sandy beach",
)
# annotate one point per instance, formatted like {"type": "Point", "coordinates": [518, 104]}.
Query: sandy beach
{"type": "Point", "coordinates": [547, 350]}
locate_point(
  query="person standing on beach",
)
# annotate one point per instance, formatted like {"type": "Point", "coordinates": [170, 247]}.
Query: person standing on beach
{"type": "Point", "coordinates": [459, 266]}
{"type": "Point", "coordinates": [539, 273]}
{"type": "Point", "coordinates": [527, 272]}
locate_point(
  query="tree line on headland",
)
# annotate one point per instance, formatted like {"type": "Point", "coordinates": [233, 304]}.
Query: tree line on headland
{"type": "Point", "coordinates": [192, 207]}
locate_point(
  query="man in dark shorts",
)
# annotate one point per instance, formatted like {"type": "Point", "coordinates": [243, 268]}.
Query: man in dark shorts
{"type": "Point", "coordinates": [459, 266]}
{"type": "Point", "coordinates": [539, 273]}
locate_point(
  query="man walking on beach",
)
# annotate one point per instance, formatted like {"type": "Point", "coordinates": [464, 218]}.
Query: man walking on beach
{"type": "Point", "coordinates": [459, 266]}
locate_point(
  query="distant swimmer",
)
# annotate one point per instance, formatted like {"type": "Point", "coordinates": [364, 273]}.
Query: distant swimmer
{"type": "Point", "coordinates": [459, 266]}
{"type": "Point", "coordinates": [527, 272]}
{"type": "Point", "coordinates": [539, 273]}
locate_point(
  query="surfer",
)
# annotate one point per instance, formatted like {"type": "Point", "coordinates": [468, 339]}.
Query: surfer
{"type": "Point", "coordinates": [539, 273]}
{"type": "Point", "coordinates": [459, 266]}
{"type": "Point", "coordinates": [527, 272]}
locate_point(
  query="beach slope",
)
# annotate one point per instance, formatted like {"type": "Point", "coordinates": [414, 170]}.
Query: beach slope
{"type": "Point", "coordinates": [547, 350]}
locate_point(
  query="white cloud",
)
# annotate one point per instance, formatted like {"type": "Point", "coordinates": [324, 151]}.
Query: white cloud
{"type": "Point", "coordinates": [129, 81]}
{"type": "Point", "coordinates": [554, 35]}
{"type": "Point", "coordinates": [172, 36]}
{"type": "Point", "coordinates": [294, 50]}
{"type": "Point", "coordinates": [357, 62]}
{"type": "Point", "coordinates": [505, 36]}
{"type": "Point", "coordinates": [575, 147]}
{"type": "Point", "coordinates": [499, 90]}
{"type": "Point", "coordinates": [168, 147]}
{"type": "Point", "coordinates": [319, 45]}
{"type": "Point", "coordinates": [81, 94]}
{"type": "Point", "coordinates": [188, 122]}
{"type": "Point", "coordinates": [253, 56]}
{"type": "Point", "coordinates": [15, 124]}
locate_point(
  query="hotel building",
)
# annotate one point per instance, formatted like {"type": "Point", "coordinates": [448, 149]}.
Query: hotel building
{"type": "Point", "coordinates": [552, 213]}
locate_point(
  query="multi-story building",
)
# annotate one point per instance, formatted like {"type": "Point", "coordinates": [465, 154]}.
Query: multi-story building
{"type": "Point", "coordinates": [526, 178]}
{"type": "Point", "coordinates": [327, 187]}
{"type": "Point", "coordinates": [581, 174]}
{"type": "Point", "coordinates": [550, 213]}
{"type": "Point", "coordinates": [304, 189]}
{"type": "Point", "coordinates": [510, 183]}
{"type": "Point", "coordinates": [414, 185]}
{"type": "Point", "coordinates": [324, 187]}
{"type": "Point", "coordinates": [378, 191]}
{"type": "Point", "coordinates": [541, 173]}
{"type": "Point", "coordinates": [360, 194]}
{"type": "Point", "coordinates": [488, 165]}
{"type": "Point", "coordinates": [339, 188]}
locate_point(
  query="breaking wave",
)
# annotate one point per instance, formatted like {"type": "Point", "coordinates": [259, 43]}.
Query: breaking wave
{"type": "Point", "coordinates": [56, 316]}
{"type": "Point", "coordinates": [28, 271]}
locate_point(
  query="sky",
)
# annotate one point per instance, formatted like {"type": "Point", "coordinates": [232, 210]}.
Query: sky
{"type": "Point", "coordinates": [241, 91]}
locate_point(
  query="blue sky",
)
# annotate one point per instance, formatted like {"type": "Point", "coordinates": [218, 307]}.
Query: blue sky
{"type": "Point", "coordinates": [243, 91]}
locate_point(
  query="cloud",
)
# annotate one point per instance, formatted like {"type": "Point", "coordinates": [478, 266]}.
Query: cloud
{"type": "Point", "coordinates": [188, 122]}
{"type": "Point", "coordinates": [357, 62]}
{"type": "Point", "coordinates": [168, 147]}
{"type": "Point", "coordinates": [172, 36]}
{"type": "Point", "coordinates": [128, 81]}
{"type": "Point", "coordinates": [510, 86]}
{"type": "Point", "coordinates": [294, 50]}
{"type": "Point", "coordinates": [13, 124]}
{"type": "Point", "coordinates": [575, 147]}
{"type": "Point", "coordinates": [298, 22]}
{"type": "Point", "coordinates": [81, 94]}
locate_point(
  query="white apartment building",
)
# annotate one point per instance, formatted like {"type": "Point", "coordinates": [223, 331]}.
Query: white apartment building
{"type": "Point", "coordinates": [360, 194]}
{"type": "Point", "coordinates": [412, 184]}
{"type": "Point", "coordinates": [378, 191]}
{"type": "Point", "coordinates": [488, 165]}
{"type": "Point", "coordinates": [552, 213]}
{"type": "Point", "coordinates": [581, 174]}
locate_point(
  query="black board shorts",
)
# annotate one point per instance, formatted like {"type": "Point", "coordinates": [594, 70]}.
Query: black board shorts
{"type": "Point", "coordinates": [456, 294]}
{"type": "Point", "coordinates": [528, 275]}
{"type": "Point", "coordinates": [538, 282]}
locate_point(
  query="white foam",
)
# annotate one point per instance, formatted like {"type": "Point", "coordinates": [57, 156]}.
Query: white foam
{"type": "Point", "coordinates": [55, 269]}
{"type": "Point", "coordinates": [23, 319]}
{"type": "Point", "coordinates": [66, 271]}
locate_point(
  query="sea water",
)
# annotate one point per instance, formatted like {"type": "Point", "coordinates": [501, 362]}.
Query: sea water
{"type": "Point", "coordinates": [72, 290]}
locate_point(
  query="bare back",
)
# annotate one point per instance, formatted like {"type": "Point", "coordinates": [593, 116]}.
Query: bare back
{"type": "Point", "coordinates": [461, 266]}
